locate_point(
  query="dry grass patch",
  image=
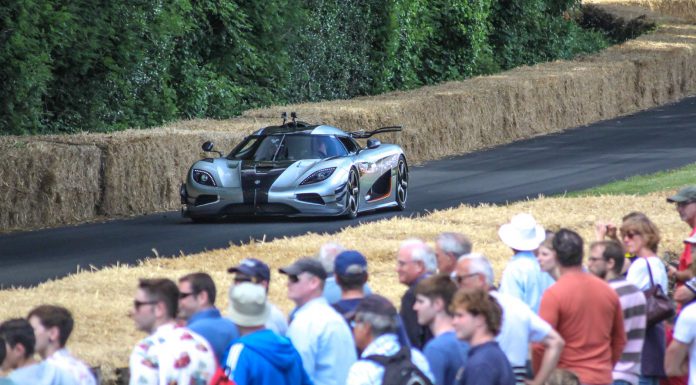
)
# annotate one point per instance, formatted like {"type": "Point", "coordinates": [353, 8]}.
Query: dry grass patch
{"type": "Point", "coordinates": [100, 300]}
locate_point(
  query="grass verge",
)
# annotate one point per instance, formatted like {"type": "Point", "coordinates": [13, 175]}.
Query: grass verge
{"type": "Point", "coordinates": [645, 184]}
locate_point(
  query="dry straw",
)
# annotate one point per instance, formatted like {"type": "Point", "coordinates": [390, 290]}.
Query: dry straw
{"type": "Point", "coordinates": [683, 9]}
{"type": "Point", "coordinates": [100, 300]}
{"type": "Point", "coordinates": [54, 180]}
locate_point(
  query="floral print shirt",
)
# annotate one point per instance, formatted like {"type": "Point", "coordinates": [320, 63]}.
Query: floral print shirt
{"type": "Point", "coordinates": [172, 355]}
{"type": "Point", "coordinates": [64, 360]}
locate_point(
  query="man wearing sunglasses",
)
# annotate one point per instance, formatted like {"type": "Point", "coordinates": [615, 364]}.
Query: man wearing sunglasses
{"type": "Point", "coordinates": [256, 271]}
{"type": "Point", "coordinates": [317, 331]}
{"type": "Point", "coordinates": [170, 354]}
{"type": "Point", "coordinates": [685, 201]}
{"type": "Point", "coordinates": [197, 295]}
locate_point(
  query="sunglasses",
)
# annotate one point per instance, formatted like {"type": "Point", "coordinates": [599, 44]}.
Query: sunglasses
{"type": "Point", "coordinates": [293, 278]}
{"type": "Point", "coordinates": [629, 234]}
{"type": "Point", "coordinates": [137, 304]}
{"type": "Point", "coordinates": [183, 295]}
{"type": "Point", "coordinates": [460, 278]}
{"type": "Point", "coordinates": [242, 279]}
{"type": "Point", "coordinates": [684, 204]}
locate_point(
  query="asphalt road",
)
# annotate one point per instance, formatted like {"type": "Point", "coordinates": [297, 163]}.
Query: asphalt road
{"type": "Point", "coordinates": [658, 139]}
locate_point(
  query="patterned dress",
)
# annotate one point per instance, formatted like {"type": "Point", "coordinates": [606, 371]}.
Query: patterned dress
{"type": "Point", "coordinates": [172, 355]}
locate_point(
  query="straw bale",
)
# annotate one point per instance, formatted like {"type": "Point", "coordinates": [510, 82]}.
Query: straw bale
{"type": "Point", "coordinates": [100, 300]}
{"type": "Point", "coordinates": [44, 183]}
{"type": "Point", "coordinates": [682, 9]}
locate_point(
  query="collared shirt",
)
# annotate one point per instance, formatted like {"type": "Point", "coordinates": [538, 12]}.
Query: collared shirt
{"type": "Point", "coordinates": [172, 354]}
{"type": "Point", "coordinates": [219, 332]}
{"type": "Point", "coordinates": [66, 361]}
{"type": "Point", "coordinates": [523, 278]}
{"type": "Point", "coordinates": [520, 327]}
{"type": "Point", "coordinates": [366, 372]}
{"type": "Point", "coordinates": [324, 341]}
{"type": "Point", "coordinates": [487, 365]}
{"type": "Point", "coordinates": [276, 321]}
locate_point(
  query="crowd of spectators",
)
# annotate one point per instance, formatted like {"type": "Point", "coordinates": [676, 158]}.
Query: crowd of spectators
{"type": "Point", "coordinates": [557, 317]}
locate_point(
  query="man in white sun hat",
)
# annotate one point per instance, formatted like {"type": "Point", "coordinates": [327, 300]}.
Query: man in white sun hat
{"type": "Point", "coordinates": [260, 356]}
{"type": "Point", "coordinates": [522, 277]}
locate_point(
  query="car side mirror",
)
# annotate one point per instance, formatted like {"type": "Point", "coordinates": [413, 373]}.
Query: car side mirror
{"type": "Point", "coordinates": [373, 143]}
{"type": "Point", "coordinates": [207, 146]}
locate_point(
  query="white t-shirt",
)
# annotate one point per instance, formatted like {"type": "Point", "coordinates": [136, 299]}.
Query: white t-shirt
{"type": "Point", "coordinates": [638, 273]}
{"type": "Point", "coordinates": [685, 332]}
{"type": "Point", "coordinates": [520, 327]}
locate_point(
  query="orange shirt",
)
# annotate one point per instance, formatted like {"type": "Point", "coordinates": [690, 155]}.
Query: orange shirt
{"type": "Point", "coordinates": [587, 313]}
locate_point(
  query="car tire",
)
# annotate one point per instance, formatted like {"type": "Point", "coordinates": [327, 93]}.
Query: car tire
{"type": "Point", "coordinates": [352, 194]}
{"type": "Point", "coordinates": [401, 183]}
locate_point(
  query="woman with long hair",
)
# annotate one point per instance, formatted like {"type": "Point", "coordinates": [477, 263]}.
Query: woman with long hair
{"type": "Point", "coordinates": [641, 238]}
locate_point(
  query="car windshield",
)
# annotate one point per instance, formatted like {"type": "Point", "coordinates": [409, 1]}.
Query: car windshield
{"type": "Point", "coordinates": [288, 147]}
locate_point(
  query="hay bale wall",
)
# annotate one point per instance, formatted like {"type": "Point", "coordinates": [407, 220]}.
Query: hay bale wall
{"type": "Point", "coordinates": [45, 183]}
{"type": "Point", "coordinates": [141, 170]}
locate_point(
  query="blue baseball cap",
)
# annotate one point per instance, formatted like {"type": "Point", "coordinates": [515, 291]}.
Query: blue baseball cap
{"type": "Point", "coordinates": [253, 268]}
{"type": "Point", "coordinates": [350, 262]}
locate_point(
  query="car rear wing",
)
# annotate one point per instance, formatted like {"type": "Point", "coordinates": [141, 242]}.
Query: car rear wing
{"type": "Point", "coordinates": [362, 134]}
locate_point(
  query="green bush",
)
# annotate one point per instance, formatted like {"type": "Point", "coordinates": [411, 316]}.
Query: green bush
{"type": "Point", "coordinates": [69, 66]}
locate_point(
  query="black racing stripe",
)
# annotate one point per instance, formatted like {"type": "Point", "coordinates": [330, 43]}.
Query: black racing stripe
{"type": "Point", "coordinates": [257, 179]}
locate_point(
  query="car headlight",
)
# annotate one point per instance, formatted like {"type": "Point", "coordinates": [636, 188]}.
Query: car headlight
{"type": "Point", "coordinates": [204, 178]}
{"type": "Point", "coordinates": [319, 176]}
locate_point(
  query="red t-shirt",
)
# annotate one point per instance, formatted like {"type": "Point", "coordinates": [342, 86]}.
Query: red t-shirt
{"type": "Point", "coordinates": [587, 313]}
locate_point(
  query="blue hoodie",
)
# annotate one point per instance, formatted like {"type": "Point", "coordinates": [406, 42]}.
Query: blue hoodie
{"type": "Point", "coordinates": [265, 358]}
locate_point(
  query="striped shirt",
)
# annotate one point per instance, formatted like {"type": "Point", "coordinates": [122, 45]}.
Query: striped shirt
{"type": "Point", "coordinates": [633, 306]}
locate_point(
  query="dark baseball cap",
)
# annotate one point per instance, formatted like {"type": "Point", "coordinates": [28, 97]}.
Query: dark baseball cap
{"type": "Point", "coordinates": [305, 265]}
{"type": "Point", "coordinates": [376, 304]}
{"type": "Point", "coordinates": [686, 194]}
{"type": "Point", "coordinates": [252, 267]}
{"type": "Point", "coordinates": [350, 262]}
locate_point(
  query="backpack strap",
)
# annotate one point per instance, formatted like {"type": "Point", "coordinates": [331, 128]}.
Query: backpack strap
{"type": "Point", "coordinates": [403, 353]}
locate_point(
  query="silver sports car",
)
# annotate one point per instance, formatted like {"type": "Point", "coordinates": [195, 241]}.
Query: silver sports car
{"type": "Point", "coordinates": [298, 169]}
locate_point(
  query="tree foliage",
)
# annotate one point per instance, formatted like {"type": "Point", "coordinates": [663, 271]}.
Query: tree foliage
{"type": "Point", "coordinates": [68, 66]}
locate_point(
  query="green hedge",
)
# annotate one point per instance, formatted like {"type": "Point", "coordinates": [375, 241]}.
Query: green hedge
{"type": "Point", "coordinates": [69, 66]}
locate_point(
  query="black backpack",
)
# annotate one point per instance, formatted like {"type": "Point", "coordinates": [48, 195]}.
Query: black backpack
{"type": "Point", "coordinates": [399, 370]}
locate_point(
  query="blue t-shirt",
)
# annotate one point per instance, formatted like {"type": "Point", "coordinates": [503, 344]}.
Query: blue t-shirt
{"type": "Point", "coordinates": [446, 355]}
{"type": "Point", "coordinates": [487, 365]}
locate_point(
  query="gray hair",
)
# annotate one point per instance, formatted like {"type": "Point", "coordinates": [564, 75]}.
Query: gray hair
{"type": "Point", "coordinates": [421, 252]}
{"type": "Point", "coordinates": [379, 324]}
{"type": "Point", "coordinates": [327, 255]}
{"type": "Point", "coordinates": [455, 244]}
{"type": "Point", "coordinates": [479, 264]}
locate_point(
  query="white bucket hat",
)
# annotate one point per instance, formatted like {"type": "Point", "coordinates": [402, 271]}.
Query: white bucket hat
{"type": "Point", "coordinates": [522, 233]}
{"type": "Point", "coordinates": [248, 306]}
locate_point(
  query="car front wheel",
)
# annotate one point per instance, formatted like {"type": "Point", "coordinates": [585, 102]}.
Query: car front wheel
{"type": "Point", "coordinates": [401, 183]}
{"type": "Point", "coordinates": [353, 193]}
